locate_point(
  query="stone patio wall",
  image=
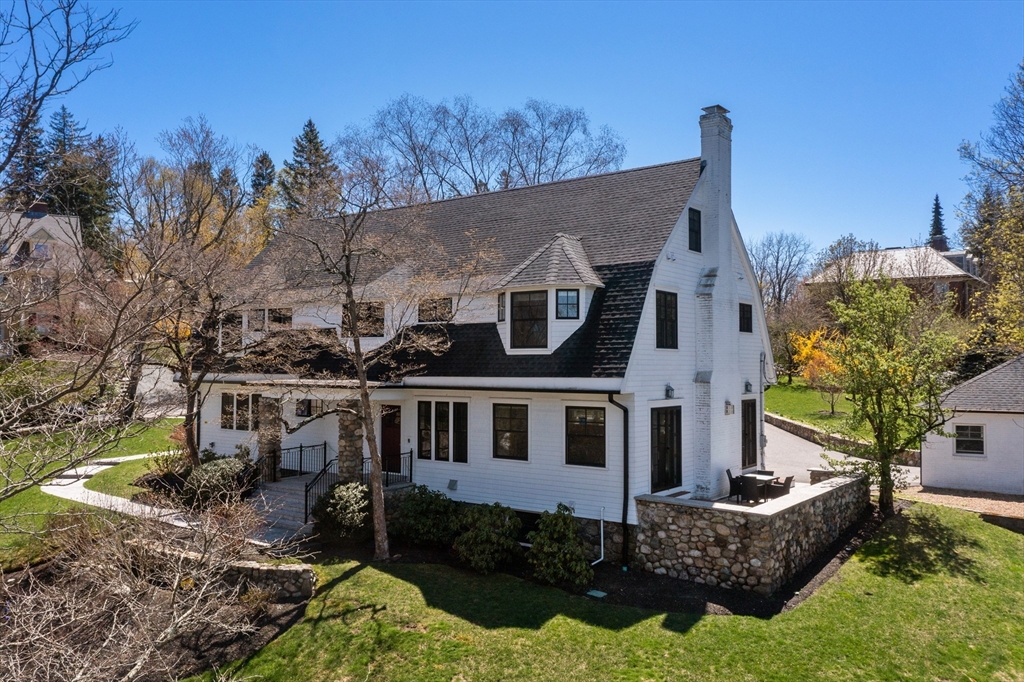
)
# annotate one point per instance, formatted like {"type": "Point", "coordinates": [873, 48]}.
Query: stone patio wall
{"type": "Point", "coordinates": [350, 445]}
{"type": "Point", "coordinates": [752, 548]}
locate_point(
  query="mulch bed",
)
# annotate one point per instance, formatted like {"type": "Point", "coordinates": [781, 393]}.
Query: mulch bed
{"type": "Point", "coordinates": [661, 593]}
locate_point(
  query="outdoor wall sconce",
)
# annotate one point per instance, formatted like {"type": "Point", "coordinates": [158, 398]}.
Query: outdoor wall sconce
{"type": "Point", "coordinates": [748, 387]}
{"type": "Point", "coordinates": [729, 408]}
{"type": "Point", "coordinates": [670, 392]}
{"type": "Point", "coordinates": [453, 484]}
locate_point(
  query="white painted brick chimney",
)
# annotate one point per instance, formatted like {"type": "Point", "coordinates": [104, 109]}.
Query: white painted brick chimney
{"type": "Point", "coordinates": [716, 157]}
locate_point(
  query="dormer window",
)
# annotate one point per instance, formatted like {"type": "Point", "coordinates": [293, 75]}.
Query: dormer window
{"type": "Point", "coordinates": [371, 318]}
{"type": "Point", "coordinates": [530, 319]}
{"type": "Point", "coordinates": [567, 304]}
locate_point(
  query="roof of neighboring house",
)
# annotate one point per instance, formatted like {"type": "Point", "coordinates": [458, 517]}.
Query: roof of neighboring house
{"type": "Point", "coordinates": [917, 262]}
{"type": "Point", "coordinates": [561, 261]}
{"type": "Point", "coordinates": [18, 225]}
{"type": "Point", "coordinates": [1000, 389]}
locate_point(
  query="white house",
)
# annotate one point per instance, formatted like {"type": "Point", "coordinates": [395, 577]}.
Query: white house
{"type": "Point", "coordinates": [622, 351]}
{"type": "Point", "coordinates": [985, 448]}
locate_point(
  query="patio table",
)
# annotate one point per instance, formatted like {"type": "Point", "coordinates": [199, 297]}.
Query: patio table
{"type": "Point", "coordinates": [763, 481]}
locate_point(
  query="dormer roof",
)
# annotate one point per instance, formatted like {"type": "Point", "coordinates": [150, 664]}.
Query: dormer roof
{"type": "Point", "coordinates": [562, 260]}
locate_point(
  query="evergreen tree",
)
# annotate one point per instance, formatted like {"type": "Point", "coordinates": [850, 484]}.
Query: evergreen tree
{"type": "Point", "coordinates": [306, 180]}
{"type": "Point", "coordinates": [938, 228]}
{"type": "Point", "coordinates": [263, 174]}
{"type": "Point", "coordinates": [26, 174]}
{"type": "Point", "coordinates": [80, 184]}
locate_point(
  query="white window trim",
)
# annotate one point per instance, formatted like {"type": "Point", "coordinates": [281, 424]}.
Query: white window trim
{"type": "Point", "coordinates": [971, 455]}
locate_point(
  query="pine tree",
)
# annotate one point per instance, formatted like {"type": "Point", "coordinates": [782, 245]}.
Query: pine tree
{"type": "Point", "coordinates": [263, 174]}
{"type": "Point", "coordinates": [80, 184]}
{"type": "Point", "coordinates": [938, 228]}
{"type": "Point", "coordinates": [26, 174]}
{"type": "Point", "coordinates": [305, 181]}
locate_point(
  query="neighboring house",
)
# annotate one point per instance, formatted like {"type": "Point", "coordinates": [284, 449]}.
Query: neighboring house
{"type": "Point", "coordinates": [985, 448]}
{"type": "Point", "coordinates": [620, 351]}
{"type": "Point", "coordinates": [34, 246]}
{"type": "Point", "coordinates": [921, 268]}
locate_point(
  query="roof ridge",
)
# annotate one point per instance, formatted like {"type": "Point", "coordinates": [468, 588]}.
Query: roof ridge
{"type": "Point", "coordinates": [984, 374]}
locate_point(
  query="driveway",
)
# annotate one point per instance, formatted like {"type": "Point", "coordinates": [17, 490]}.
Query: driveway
{"type": "Point", "coordinates": [789, 455]}
{"type": "Point", "coordinates": [160, 396]}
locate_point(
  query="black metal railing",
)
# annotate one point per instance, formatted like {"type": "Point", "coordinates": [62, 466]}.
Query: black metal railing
{"type": "Point", "coordinates": [263, 470]}
{"type": "Point", "coordinates": [319, 485]}
{"type": "Point", "coordinates": [396, 469]}
{"type": "Point", "coordinates": [303, 459]}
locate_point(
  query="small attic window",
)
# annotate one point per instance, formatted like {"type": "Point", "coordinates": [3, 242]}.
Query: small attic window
{"type": "Point", "coordinates": [501, 307]}
{"type": "Point", "coordinates": [567, 304]}
{"type": "Point", "coordinates": [694, 230]}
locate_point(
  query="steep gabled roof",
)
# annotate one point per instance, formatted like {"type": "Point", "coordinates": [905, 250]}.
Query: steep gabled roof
{"type": "Point", "coordinates": [1000, 389]}
{"type": "Point", "coordinates": [561, 261]}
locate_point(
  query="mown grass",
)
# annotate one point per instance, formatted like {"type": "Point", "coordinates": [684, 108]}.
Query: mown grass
{"type": "Point", "coordinates": [118, 480]}
{"type": "Point", "coordinates": [936, 595]}
{"type": "Point", "coordinates": [20, 549]}
{"type": "Point", "coordinates": [801, 403]}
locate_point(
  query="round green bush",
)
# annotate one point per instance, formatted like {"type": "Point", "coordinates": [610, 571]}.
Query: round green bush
{"type": "Point", "coordinates": [342, 514]}
{"type": "Point", "coordinates": [426, 517]}
{"type": "Point", "coordinates": [558, 552]}
{"type": "Point", "coordinates": [490, 538]}
{"type": "Point", "coordinates": [216, 481]}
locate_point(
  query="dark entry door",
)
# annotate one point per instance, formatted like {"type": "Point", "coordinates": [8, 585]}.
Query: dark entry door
{"type": "Point", "coordinates": [749, 433]}
{"type": "Point", "coordinates": [391, 438]}
{"type": "Point", "coordinates": [666, 448]}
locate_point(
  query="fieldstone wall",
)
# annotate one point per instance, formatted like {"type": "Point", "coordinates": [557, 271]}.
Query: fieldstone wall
{"type": "Point", "coordinates": [350, 444]}
{"type": "Point", "coordinates": [268, 438]}
{"type": "Point", "coordinates": [751, 548]}
{"type": "Point", "coordinates": [590, 530]}
{"type": "Point", "coordinates": [285, 581]}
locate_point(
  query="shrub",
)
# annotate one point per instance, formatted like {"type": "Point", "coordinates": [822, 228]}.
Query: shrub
{"type": "Point", "coordinates": [173, 461]}
{"type": "Point", "coordinates": [489, 538]}
{"type": "Point", "coordinates": [216, 481]}
{"type": "Point", "coordinates": [208, 454]}
{"type": "Point", "coordinates": [243, 453]}
{"type": "Point", "coordinates": [558, 553]}
{"type": "Point", "coordinates": [425, 516]}
{"type": "Point", "coordinates": [343, 513]}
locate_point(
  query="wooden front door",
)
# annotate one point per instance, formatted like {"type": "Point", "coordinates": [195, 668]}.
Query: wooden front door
{"type": "Point", "coordinates": [666, 448]}
{"type": "Point", "coordinates": [749, 410]}
{"type": "Point", "coordinates": [391, 438]}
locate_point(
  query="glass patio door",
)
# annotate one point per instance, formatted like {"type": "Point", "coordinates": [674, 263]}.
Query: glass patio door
{"type": "Point", "coordinates": [666, 448]}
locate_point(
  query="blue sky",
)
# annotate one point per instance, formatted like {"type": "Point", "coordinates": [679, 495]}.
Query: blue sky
{"type": "Point", "coordinates": [847, 115]}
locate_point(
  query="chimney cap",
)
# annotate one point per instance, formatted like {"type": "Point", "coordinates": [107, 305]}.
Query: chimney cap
{"type": "Point", "coordinates": [715, 109]}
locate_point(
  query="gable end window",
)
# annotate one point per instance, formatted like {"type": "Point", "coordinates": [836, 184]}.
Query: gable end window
{"type": "Point", "coordinates": [435, 310]}
{"type": "Point", "coordinates": [666, 320]}
{"type": "Point", "coordinates": [501, 307]}
{"type": "Point", "coordinates": [746, 317]}
{"type": "Point", "coordinates": [239, 411]}
{"type": "Point", "coordinates": [584, 436]}
{"type": "Point", "coordinates": [567, 304]}
{"type": "Point", "coordinates": [530, 319]}
{"type": "Point", "coordinates": [694, 230]}
{"type": "Point", "coordinates": [511, 428]}
{"type": "Point", "coordinates": [970, 440]}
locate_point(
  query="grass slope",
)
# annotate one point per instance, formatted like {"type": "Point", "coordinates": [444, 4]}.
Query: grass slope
{"type": "Point", "coordinates": [936, 595]}
{"type": "Point", "coordinates": [803, 404]}
{"type": "Point", "coordinates": [20, 549]}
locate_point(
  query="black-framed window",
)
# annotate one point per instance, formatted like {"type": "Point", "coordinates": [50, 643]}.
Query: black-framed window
{"type": "Point", "coordinates": [423, 426]}
{"type": "Point", "coordinates": [256, 320]}
{"type": "Point", "coordinates": [435, 310]}
{"type": "Point", "coordinates": [666, 448]}
{"type": "Point", "coordinates": [371, 318]}
{"type": "Point", "coordinates": [308, 407]}
{"type": "Point", "coordinates": [694, 230]}
{"type": "Point", "coordinates": [442, 431]}
{"type": "Point", "coordinates": [511, 429]}
{"type": "Point", "coordinates": [240, 411]}
{"type": "Point", "coordinates": [666, 319]}
{"type": "Point", "coordinates": [584, 436]}
{"type": "Point", "coordinates": [746, 317]}
{"type": "Point", "coordinates": [970, 440]}
{"type": "Point", "coordinates": [460, 432]}
{"type": "Point", "coordinates": [280, 318]}
{"type": "Point", "coordinates": [530, 319]}
{"type": "Point", "coordinates": [501, 307]}
{"type": "Point", "coordinates": [567, 304]}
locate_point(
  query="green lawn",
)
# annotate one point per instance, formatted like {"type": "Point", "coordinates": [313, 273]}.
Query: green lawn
{"type": "Point", "coordinates": [804, 404]}
{"type": "Point", "coordinates": [19, 549]}
{"type": "Point", "coordinates": [118, 480]}
{"type": "Point", "coordinates": [936, 596]}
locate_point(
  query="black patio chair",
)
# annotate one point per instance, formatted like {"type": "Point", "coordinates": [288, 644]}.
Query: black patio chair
{"type": "Point", "coordinates": [780, 489]}
{"type": "Point", "coordinates": [762, 472]}
{"type": "Point", "coordinates": [734, 485]}
{"type": "Point", "coordinates": [751, 489]}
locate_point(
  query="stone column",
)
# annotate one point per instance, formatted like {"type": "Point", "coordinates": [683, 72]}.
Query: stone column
{"type": "Point", "coordinates": [350, 444]}
{"type": "Point", "coordinates": [268, 439]}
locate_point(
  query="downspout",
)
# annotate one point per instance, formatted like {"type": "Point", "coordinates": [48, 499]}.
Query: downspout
{"type": "Point", "coordinates": [762, 439]}
{"type": "Point", "coordinates": [625, 479]}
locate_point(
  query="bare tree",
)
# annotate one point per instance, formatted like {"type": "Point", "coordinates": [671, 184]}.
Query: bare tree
{"type": "Point", "coordinates": [780, 260]}
{"type": "Point", "coordinates": [799, 316]}
{"type": "Point", "coordinates": [839, 265]}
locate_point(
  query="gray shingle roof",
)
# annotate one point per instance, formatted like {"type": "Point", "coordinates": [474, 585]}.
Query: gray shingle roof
{"type": "Point", "coordinates": [561, 261]}
{"type": "Point", "coordinates": [1000, 389]}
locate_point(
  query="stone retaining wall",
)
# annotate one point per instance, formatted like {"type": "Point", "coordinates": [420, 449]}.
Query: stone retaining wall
{"type": "Point", "coordinates": [751, 548]}
{"type": "Point", "coordinates": [910, 458]}
{"type": "Point", "coordinates": [590, 529]}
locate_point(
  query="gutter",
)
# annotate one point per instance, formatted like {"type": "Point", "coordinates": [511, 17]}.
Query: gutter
{"type": "Point", "coordinates": [625, 480]}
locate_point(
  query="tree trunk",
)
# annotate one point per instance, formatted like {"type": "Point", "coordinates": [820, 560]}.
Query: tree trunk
{"type": "Point", "coordinates": [191, 444]}
{"type": "Point", "coordinates": [135, 364]}
{"type": "Point", "coordinates": [885, 486]}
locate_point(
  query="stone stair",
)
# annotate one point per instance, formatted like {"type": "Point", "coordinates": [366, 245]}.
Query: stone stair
{"type": "Point", "coordinates": [283, 503]}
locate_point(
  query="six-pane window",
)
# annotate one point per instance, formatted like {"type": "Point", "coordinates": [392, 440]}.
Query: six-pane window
{"type": "Point", "coordinates": [530, 319]}
{"type": "Point", "coordinates": [584, 436]}
{"type": "Point", "coordinates": [665, 320]}
{"type": "Point", "coordinates": [435, 310]}
{"type": "Point", "coordinates": [501, 307]}
{"type": "Point", "coordinates": [510, 431]}
{"type": "Point", "coordinates": [694, 230]}
{"type": "Point", "coordinates": [239, 411]}
{"type": "Point", "coordinates": [746, 317]}
{"type": "Point", "coordinates": [567, 304]}
{"type": "Point", "coordinates": [970, 440]}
